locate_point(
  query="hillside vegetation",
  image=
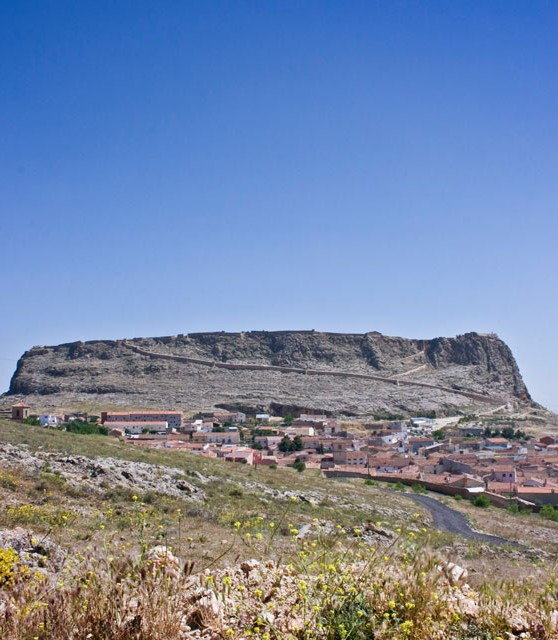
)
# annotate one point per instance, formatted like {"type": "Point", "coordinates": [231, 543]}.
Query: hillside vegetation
{"type": "Point", "coordinates": [101, 539]}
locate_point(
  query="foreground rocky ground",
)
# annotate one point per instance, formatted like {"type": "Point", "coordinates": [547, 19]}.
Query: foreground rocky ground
{"type": "Point", "coordinates": [332, 585]}
{"type": "Point", "coordinates": [97, 537]}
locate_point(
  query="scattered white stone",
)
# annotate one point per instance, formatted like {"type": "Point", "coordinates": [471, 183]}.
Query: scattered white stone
{"type": "Point", "coordinates": [249, 565]}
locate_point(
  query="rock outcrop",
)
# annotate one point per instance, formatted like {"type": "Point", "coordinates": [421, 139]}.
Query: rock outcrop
{"type": "Point", "coordinates": [350, 374]}
{"type": "Point", "coordinates": [96, 474]}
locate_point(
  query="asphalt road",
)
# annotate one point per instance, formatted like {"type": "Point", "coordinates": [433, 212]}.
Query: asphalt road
{"type": "Point", "coordinates": [447, 519]}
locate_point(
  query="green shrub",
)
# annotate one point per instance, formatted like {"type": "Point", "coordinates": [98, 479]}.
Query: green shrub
{"type": "Point", "coordinates": [49, 480]}
{"type": "Point", "coordinates": [481, 501]}
{"type": "Point", "coordinates": [548, 512]}
{"type": "Point", "coordinates": [86, 428]}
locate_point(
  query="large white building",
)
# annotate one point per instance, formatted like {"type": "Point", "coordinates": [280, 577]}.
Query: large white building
{"type": "Point", "coordinates": [136, 428]}
{"type": "Point", "coordinates": [172, 418]}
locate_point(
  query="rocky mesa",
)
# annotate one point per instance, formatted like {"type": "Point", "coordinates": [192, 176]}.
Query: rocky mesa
{"type": "Point", "coordinates": [343, 374]}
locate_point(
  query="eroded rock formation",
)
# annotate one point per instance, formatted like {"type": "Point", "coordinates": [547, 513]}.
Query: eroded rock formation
{"type": "Point", "coordinates": [351, 374]}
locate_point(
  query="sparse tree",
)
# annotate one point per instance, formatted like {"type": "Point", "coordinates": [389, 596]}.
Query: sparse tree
{"type": "Point", "coordinates": [285, 445]}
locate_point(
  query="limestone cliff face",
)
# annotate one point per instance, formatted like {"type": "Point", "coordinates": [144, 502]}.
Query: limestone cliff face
{"type": "Point", "coordinates": [354, 374]}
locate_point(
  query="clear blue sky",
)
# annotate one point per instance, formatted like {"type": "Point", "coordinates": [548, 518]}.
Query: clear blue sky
{"type": "Point", "coordinates": [173, 166]}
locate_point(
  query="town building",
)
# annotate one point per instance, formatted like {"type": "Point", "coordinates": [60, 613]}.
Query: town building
{"type": "Point", "coordinates": [234, 417]}
{"type": "Point", "coordinates": [136, 428]}
{"type": "Point", "coordinates": [347, 457]}
{"type": "Point", "coordinates": [217, 437]}
{"type": "Point", "coordinates": [173, 418]}
{"type": "Point", "coordinates": [20, 411]}
{"type": "Point", "coordinates": [49, 420]}
{"type": "Point", "coordinates": [241, 455]}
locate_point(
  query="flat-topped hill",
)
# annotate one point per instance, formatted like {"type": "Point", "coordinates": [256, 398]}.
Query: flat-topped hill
{"type": "Point", "coordinates": [351, 374]}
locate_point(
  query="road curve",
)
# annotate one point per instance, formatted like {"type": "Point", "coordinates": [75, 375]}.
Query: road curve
{"type": "Point", "coordinates": [447, 519]}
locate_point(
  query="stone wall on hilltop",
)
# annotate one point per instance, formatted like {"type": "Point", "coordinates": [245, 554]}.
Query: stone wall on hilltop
{"type": "Point", "coordinates": [352, 374]}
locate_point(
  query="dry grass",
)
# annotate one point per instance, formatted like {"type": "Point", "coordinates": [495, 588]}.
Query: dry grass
{"type": "Point", "coordinates": [338, 581]}
{"type": "Point", "coordinates": [332, 584]}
